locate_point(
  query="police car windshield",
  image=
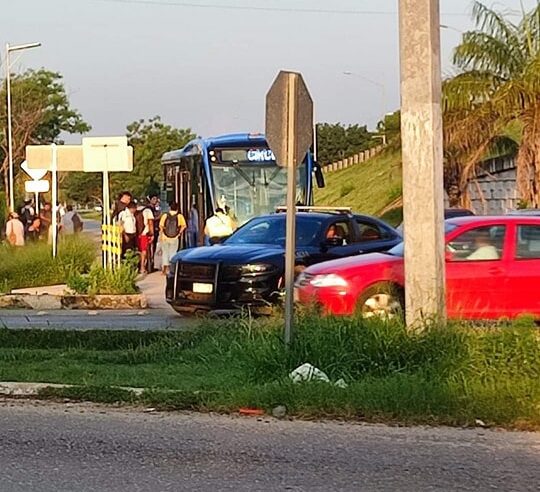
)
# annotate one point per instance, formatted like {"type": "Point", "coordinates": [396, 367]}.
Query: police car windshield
{"type": "Point", "coordinates": [271, 230]}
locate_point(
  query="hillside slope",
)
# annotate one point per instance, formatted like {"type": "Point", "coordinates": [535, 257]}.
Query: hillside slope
{"type": "Point", "coordinates": [369, 187]}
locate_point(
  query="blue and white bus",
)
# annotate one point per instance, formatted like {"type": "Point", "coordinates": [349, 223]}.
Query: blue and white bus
{"type": "Point", "coordinates": [237, 172]}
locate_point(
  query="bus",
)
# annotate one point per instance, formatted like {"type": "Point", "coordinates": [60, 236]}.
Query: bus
{"type": "Point", "coordinates": [235, 172]}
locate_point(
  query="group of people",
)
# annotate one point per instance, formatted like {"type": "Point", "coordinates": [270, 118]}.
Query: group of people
{"type": "Point", "coordinates": [29, 225]}
{"type": "Point", "coordinates": [147, 230]}
{"type": "Point", "coordinates": [144, 226]}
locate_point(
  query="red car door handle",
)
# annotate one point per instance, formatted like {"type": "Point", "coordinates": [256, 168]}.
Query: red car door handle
{"type": "Point", "coordinates": [495, 270]}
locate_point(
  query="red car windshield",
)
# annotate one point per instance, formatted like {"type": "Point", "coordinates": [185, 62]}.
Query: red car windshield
{"type": "Point", "coordinates": [398, 250]}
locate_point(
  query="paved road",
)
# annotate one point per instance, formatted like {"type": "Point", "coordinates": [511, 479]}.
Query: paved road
{"type": "Point", "coordinates": [49, 447]}
{"type": "Point", "coordinates": [151, 319]}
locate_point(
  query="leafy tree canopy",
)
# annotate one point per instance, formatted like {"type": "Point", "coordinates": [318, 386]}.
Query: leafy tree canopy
{"type": "Point", "coordinates": [336, 141]}
{"type": "Point", "coordinates": [150, 140]}
{"type": "Point", "coordinates": [41, 112]}
{"type": "Point", "coordinates": [498, 83]}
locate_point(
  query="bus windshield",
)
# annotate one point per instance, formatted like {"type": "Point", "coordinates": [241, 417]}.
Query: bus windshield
{"type": "Point", "coordinates": [251, 189]}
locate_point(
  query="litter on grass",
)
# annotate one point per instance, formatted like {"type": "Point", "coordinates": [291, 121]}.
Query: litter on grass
{"type": "Point", "coordinates": [307, 372]}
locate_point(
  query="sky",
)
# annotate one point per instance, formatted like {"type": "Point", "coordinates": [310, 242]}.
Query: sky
{"type": "Point", "coordinates": [209, 68]}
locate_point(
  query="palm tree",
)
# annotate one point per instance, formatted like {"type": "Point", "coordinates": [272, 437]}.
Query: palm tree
{"type": "Point", "coordinates": [498, 83]}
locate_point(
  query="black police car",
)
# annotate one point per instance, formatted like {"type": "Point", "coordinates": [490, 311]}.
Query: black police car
{"type": "Point", "coordinates": [247, 269]}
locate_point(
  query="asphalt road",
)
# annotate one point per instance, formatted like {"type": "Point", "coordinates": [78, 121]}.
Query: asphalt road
{"type": "Point", "coordinates": [51, 447]}
{"type": "Point", "coordinates": [151, 319]}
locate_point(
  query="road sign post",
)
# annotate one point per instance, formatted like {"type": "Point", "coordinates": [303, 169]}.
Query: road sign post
{"type": "Point", "coordinates": [421, 135]}
{"type": "Point", "coordinates": [289, 131]}
{"type": "Point", "coordinates": [107, 154]}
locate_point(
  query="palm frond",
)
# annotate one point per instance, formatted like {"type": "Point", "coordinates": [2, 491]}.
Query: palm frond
{"type": "Point", "coordinates": [484, 52]}
{"type": "Point", "coordinates": [494, 23]}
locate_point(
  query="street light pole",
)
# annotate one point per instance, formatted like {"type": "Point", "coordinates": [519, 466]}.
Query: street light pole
{"type": "Point", "coordinates": [9, 49]}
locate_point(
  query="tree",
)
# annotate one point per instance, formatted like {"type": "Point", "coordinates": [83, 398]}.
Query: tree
{"type": "Point", "coordinates": [498, 84]}
{"type": "Point", "coordinates": [41, 113]}
{"type": "Point", "coordinates": [337, 141]}
{"type": "Point", "coordinates": [150, 140]}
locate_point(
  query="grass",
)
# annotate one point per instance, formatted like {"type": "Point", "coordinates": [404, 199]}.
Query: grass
{"type": "Point", "coordinates": [34, 266]}
{"type": "Point", "coordinates": [368, 187]}
{"type": "Point", "coordinates": [451, 375]}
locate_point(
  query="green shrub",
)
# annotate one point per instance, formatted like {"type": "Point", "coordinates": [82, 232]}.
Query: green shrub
{"type": "Point", "coordinates": [345, 190]}
{"type": "Point", "coordinates": [34, 266]}
{"type": "Point", "coordinates": [99, 280]}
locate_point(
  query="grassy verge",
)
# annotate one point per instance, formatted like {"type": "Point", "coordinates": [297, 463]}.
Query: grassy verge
{"type": "Point", "coordinates": [34, 266]}
{"type": "Point", "coordinates": [446, 376]}
{"type": "Point", "coordinates": [368, 187]}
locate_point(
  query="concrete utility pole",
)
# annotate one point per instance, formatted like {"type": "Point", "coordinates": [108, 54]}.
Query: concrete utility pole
{"type": "Point", "coordinates": [421, 133]}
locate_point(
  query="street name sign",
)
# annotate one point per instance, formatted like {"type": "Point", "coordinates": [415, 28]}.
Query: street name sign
{"type": "Point", "coordinates": [68, 157]}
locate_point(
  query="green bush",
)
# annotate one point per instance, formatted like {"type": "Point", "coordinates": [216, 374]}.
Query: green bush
{"type": "Point", "coordinates": [99, 280]}
{"type": "Point", "coordinates": [34, 266]}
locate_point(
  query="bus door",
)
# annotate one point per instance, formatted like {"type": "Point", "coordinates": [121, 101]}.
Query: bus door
{"type": "Point", "coordinates": [183, 196]}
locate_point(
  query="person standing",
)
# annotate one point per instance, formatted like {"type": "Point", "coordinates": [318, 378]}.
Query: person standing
{"type": "Point", "coordinates": [14, 230]}
{"type": "Point", "coordinates": [218, 227]}
{"type": "Point", "coordinates": [193, 227]}
{"type": "Point", "coordinates": [144, 219]}
{"type": "Point", "coordinates": [69, 220]}
{"type": "Point", "coordinates": [128, 225]}
{"type": "Point", "coordinates": [27, 215]}
{"type": "Point", "coordinates": [171, 226]}
{"type": "Point", "coordinates": [121, 203]}
{"type": "Point", "coordinates": [45, 220]}
{"type": "Point", "coordinates": [155, 205]}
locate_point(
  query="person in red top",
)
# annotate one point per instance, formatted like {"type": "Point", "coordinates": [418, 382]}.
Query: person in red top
{"type": "Point", "coordinates": [145, 232]}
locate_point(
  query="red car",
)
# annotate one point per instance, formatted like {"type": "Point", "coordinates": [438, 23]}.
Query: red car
{"type": "Point", "coordinates": [492, 271]}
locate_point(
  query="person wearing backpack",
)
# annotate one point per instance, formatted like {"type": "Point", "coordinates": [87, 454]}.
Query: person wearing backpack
{"type": "Point", "coordinates": [171, 226]}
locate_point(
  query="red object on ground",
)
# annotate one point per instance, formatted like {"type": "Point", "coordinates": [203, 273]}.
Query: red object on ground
{"type": "Point", "coordinates": [492, 271]}
{"type": "Point", "coordinates": [251, 411]}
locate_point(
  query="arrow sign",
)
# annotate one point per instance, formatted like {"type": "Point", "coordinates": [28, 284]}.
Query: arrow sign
{"type": "Point", "coordinates": [35, 174]}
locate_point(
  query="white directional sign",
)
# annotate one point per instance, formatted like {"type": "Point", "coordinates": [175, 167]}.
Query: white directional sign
{"type": "Point", "coordinates": [35, 174]}
{"type": "Point", "coordinates": [107, 154]}
{"type": "Point", "coordinates": [36, 186]}
{"type": "Point", "coordinates": [68, 157]}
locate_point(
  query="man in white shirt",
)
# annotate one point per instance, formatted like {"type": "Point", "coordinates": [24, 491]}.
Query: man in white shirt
{"type": "Point", "coordinates": [128, 224]}
{"type": "Point", "coordinates": [218, 226]}
{"type": "Point", "coordinates": [484, 249]}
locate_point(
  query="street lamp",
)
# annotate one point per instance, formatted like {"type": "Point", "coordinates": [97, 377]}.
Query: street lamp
{"type": "Point", "coordinates": [9, 50]}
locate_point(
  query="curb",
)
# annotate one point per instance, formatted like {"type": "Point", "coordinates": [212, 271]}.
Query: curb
{"type": "Point", "coordinates": [35, 389]}
{"type": "Point", "coordinates": [46, 302]}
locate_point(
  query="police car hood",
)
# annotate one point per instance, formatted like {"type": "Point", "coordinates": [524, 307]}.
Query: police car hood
{"type": "Point", "coordinates": [232, 255]}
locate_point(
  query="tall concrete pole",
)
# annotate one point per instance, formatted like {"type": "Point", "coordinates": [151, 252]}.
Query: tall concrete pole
{"type": "Point", "coordinates": [421, 133]}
